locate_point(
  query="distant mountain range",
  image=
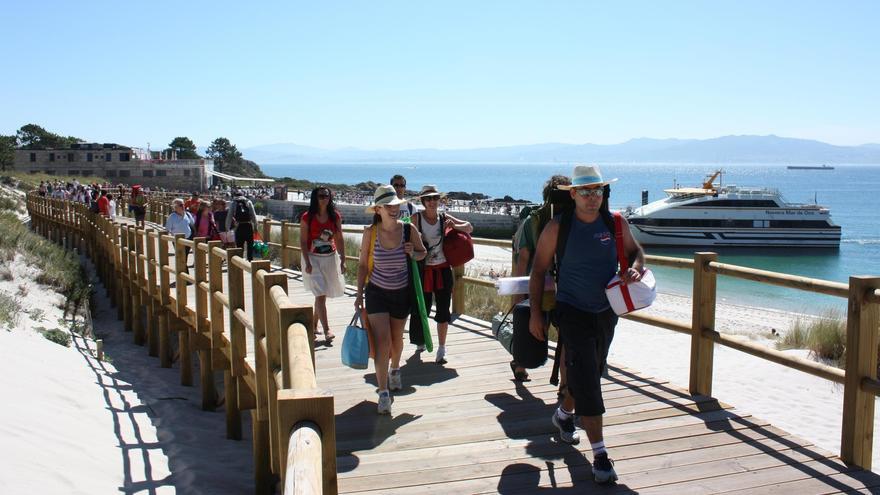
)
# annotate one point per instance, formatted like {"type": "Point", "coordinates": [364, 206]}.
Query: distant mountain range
{"type": "Point", "coordinates": [726, 149]}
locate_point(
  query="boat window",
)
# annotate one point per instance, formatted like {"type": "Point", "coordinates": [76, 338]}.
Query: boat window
{"type": "Point", "coordinates": [734, 203]}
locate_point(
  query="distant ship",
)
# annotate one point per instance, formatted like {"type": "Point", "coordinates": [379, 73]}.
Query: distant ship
{"type": "Point", "coordinates": [716, 215]}
{"type": "Point", "coordinates": [807, 167]}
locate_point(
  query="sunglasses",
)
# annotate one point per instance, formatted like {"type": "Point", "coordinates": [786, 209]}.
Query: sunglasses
{"type": "Point", "coordinates": [586, 193]}
{"type": "Point", "coordinates": [323, 196]}
{"type": "Point", "coordinates": [431, 198]}
{"type": "Point", "coordinates": [399, 185]}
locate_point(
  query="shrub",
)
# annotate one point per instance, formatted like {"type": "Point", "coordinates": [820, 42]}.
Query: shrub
{"type": "Point", "coordinates": [827, 337]}
{"type": "Point", "coordinates": [58, 336]}
{"type": "Point", "coordinates": [796, 337]}
{"type": "Point", "coordinates": [824, 336]}
{"type": "Point", "coordinates": [10, 310]}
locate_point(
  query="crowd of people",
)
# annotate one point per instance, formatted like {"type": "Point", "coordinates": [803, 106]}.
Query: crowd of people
{"type": "Point", "coordinates": [575, 209]}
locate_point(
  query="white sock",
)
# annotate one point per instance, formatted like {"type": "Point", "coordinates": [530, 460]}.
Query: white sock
{"type": "Point", "coordinates": [598, 448]}
{"type": "Point", "coordinates": [563, 414]}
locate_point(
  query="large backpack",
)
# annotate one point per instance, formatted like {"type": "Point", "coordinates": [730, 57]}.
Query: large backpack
{"type": "Point", "coordinates": [242, 212]}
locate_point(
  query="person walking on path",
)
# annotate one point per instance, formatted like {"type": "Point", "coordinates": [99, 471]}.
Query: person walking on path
{"type": "Point", "coordinates": [584, 316]}
{"type": "Point", "coordinates": [192, 204]}
{"type": "Point", "coordinates": [205, 224]}
{"type": "Point", "coordinates": [407, 209]}
{"type": "Point", "coordinates": [179, 221]}
{"type": "Point", "coordinates": [383, 278]}
{"type": "Point", "coordinates": [320, 240]}
{"type": "Point", "coordinates": [138, 205]}
{"type": "Point", "coordinates": [241, 211]}
{"type": "Point", "coordinates": [220, 213]}
{"type": "Point", "coordinates": [525, 241]}
{"type": "Point", "coordinates": [104, 204]}
{"type": "Point", "coordinates": [435, 272]}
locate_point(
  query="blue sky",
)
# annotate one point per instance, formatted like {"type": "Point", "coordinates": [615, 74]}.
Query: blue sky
{"type": "Point", "coordinates": [441, 74]}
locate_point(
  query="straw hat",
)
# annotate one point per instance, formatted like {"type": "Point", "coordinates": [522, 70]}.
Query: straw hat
{"type": "Point", "coordinates": [586, 175]}
{"type": "Point", "coordinates": [429, 190]}
{"type": "Point", "coordinates": [384, 196]}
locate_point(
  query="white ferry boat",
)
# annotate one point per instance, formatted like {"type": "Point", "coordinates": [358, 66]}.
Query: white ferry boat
{"type": "Point", "coordinates": [717, 215]}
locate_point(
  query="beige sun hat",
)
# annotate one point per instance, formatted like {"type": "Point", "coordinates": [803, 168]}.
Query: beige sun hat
{"type": "Point", "coordinates": [429, 190]}
{"type": "Point", "coordinates": [384, 196]}
{"type": "Point", "coordinates": [584, 176]}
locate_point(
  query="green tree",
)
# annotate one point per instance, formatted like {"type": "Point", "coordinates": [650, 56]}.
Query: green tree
{"type": "Point", "coordinates": [7, 152]}
{"type": "Point", "coordinates": [224, 153]}
{"type": "Point", "coordinates": [184, 147]}
{"type": "Point", "coordinates": [32, 136]}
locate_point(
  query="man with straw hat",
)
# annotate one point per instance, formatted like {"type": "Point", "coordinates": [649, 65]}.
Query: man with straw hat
{"type": "Point", "coordinates": [583, 314]}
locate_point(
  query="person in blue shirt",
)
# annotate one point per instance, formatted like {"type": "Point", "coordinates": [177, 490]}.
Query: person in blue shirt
{"type": "Point", "coordinates": [583, 314]}
{"type": "Point", "coordinates": [179, 221]}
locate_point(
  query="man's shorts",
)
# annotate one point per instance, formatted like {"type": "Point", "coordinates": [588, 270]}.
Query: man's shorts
{"type": "Point", "coordinates": [587, 338]}
{"type": "Point", "coordinates": [394, 302]}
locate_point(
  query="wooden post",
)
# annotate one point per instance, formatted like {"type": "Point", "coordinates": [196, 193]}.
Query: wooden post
{"type": "Point", "coordinates": [126, 279]}
{"type": "Point", "coordinates": [259, 415]}
{"type": "Point", "coordinates": [152, 304]}
{"type": "Point", "coordinates": [203, 330]}
{"type": "Point", "coordinates": [235, 293]}
{"type": "Point", "coordinates": [857, 434]}
{"type": "Point", "coordinates": [115, 235]}
{"type": "Point", "coordinates": [285, 240]}
{"type": "Point", "coordinates": [702, 319]}
{"type": "Point", "coordinates": [458, 290]}
{"type": "Point", "coordinates": [138, 287]}
{"type": "Point", "coordinates": [273, 362]}
{"type": "Point", "coordinates": [219, 361]}
{"type": "Point", "coordinates": [183, 335]}
{"type": "Point", "coordinates": [267, 230]}
{"type": "Point", "coordinates": [164, 301]}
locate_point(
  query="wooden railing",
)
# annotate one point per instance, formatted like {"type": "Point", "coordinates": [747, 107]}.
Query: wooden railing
{"type": "Point", "coordinates": [266, 354]}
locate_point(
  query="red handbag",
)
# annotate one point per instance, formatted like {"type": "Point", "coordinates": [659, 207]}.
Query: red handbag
{"type": "Point", "coordinates": [458, 247]}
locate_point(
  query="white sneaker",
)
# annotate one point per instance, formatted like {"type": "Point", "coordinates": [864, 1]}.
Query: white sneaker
{"type": "Point", "coordinates": [395, 381]}
{"type": "Point", "coordinates": [441, 355]}
{"type": "Point", "coordinates": [420, 348]}
{"type": "Point", "coordinates": [385, 401]}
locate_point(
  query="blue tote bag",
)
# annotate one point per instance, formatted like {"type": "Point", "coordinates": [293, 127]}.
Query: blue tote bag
{"type": "Point", "coordinates": [355, 345]}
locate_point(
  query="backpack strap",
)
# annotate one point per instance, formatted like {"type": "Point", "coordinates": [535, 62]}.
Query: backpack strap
{"type": "Point", "coordinates": [561, 240]}
{"type": "Point", "coordinates": [618, 239]}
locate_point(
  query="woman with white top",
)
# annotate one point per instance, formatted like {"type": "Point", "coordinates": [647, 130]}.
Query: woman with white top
{"type": "Point", "coordinates": [435, 271]}
{"type": "Point", "coordinates": [385, 248]}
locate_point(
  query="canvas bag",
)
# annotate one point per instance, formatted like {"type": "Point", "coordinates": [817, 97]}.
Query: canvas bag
{"type": "Point", "coordinates": [626, 298]}
{"type": "Point", "coordinates": [355, 345]}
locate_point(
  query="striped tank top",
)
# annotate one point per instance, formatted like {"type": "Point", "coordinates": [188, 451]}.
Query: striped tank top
{"type": "Point", "coordinates": [389, 265]}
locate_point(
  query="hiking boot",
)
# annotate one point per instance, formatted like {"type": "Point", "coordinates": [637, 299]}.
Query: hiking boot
{"type": "Point", "coordinates": [395, 381]}
{"type": "Point", "coordinates": [385, 401]}
{"type": "Point", "coordinates": [603, 469]}
{"type": "Point", "coordinates": [567, 432]}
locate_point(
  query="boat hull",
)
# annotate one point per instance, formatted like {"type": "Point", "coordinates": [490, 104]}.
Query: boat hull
{"type": "Point", "coordinates": [744, 237]}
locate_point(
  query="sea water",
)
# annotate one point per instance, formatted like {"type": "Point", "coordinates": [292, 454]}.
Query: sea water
{"type": "Point", "coordinates": [852, 192]}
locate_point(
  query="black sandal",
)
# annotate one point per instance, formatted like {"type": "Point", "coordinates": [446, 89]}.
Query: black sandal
{"type": "Point", "coordinates": [520, 376]}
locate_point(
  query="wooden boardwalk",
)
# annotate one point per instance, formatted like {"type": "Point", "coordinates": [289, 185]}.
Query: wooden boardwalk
{"type": "Point", "coordinates": [467, 427]}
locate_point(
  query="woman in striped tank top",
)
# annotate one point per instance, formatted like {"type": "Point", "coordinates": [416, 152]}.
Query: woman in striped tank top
{"type": "Point", "coordinates": [383, 276]}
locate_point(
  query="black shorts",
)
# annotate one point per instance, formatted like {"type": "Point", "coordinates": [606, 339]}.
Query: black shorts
{"type": "Point", "coordinates": [394, 302]}
{"type": "Point", "coordinates": [587, 338]}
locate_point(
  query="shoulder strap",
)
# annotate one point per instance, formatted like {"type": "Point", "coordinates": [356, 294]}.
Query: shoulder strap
{"type": "Point", "coordinates": [561, 240]}
{"type": "Point", "coordinates": [618, 239]}
{"type": "Point", "coordinates": [406, 232]}
{"type": "Point", "coordinates": [370, 252]}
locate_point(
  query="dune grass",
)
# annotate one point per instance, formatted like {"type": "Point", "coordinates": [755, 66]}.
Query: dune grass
{"type": "Point", "coordinates": [824, 336]}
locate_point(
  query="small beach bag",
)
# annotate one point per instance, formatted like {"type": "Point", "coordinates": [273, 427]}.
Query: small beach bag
{"type": "Point", "coordinates": [355, 345]}
{"type": "Point", "coordinates": [626, 298]}
{"type": "Point", "coordinates": [458, 247]}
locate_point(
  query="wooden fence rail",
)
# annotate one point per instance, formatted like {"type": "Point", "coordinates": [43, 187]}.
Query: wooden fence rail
{"type": "Point", "coordinates": [261, 341]}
